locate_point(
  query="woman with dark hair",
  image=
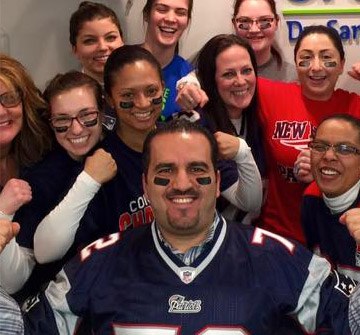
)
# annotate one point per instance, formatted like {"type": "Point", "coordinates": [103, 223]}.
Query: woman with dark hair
{"type": "Point", "coordinates": [166, 22]}
{"type": "Point", "coordinates": [95, 32]}
{"type": "Point", "coordinates": [133, 84]}
{"type": "Point", "coordinates": [75, 111]}
{"type": "Point", "coordinates": [227, 71]}
{"type": "Point", "coordinates": [256, 21]}
{"type": "Point", "coordinates": [288, 114]}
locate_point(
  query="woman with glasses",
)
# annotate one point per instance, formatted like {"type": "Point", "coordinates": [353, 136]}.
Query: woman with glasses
{"type": "Point", "coordinates": [134, 87]}
{"type": "Point", "coordinates": [257, 21]}
{"type": "Point", "coordinates": [75, 110]}
{"type": "Point", "coordinates": [24, 140]}
{"type": "Point", "coordinates": [289, 114]}
{"type": "Point", "coordinates": [331, 203]}
{"type": "Point", "coordinates": [24, 134]}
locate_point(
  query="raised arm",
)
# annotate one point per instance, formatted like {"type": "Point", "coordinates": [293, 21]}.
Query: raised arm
{"type": "Point", "coordinates": [15, 193]}
{"type": "Point", "coordinates": [65, 218]}
{"type": "Point", "coordinates": [189, 92]}
{"type": "Point", "coordinates": [246, 192]}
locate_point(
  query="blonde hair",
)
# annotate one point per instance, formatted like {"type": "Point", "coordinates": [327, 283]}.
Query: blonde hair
{"type": "Point", "coordinates": [35, 137]}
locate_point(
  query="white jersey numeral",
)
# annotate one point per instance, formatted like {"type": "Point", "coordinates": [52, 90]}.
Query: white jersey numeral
{"type": "Point", "coordinates": [164, 330]}
{"type": "Point", "coordinates": [98, 245]}
{"type": "Point", "coordinates": [260, 234]}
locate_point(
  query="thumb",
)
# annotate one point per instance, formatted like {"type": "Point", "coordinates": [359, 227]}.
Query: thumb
{"type": "Point", "coordinates": [15, 228]}
{"type": "Point", "coordinates": [342, 218]}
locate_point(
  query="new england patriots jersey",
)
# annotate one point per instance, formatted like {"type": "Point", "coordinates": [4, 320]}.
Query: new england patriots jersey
{"type": "Point", "coordinates": [243, 283]}
{"type": "Point", "coordinates": [325, 235]}
{"type": "Point", "coordinates": [120, 203]}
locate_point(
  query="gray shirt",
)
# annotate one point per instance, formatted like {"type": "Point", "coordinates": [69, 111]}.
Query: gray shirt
{"type": "Point", "coordinates": [271, 70]}
{"type": "Point", "coordinates": [10, 317]}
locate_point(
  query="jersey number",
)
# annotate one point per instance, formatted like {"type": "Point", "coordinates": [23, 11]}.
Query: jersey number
{"type": "Point", "coordinates": [98, 245]}
{"type": "Point", "coordinates": [164, 330]}
{"type": "Point", "coordinates": [260, 235]}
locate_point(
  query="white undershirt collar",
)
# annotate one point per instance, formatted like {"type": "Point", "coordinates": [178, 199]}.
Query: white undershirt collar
{"type": "Point", "coordinates": [344, 201]}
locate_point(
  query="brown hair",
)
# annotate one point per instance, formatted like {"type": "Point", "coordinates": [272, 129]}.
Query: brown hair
{"type": "Point", "coordinates": [68, 81]}
{"type": "Point", "coordinates": [34, 139]}
{"type": "Point", "coordinates": [89, 11]}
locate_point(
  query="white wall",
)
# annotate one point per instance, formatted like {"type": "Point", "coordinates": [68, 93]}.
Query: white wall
{"type": "Point", "coordinates": [36, 31]}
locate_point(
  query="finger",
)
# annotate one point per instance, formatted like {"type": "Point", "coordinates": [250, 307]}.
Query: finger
{"type": "Point", "coordinates": [354, 74]}
{"type": "Point", "coordinates": [15, 228]}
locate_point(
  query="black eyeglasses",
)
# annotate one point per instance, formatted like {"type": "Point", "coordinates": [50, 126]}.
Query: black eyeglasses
{"type": "Point", "coordinates": [62, 123]}
{"type": "Point", "coordinates": [340, 149]}
{"type": "Point", "coordinates": [245, 23]}
{"type": "Point", "coordinates": [10, 99]}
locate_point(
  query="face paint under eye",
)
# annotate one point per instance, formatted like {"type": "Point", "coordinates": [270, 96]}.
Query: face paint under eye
{"type": "Point", "coordinates": [161, 181]}
{"type": "Point", "coordinates": [304, 63]}
{"type": "Point", "coordinates": [204, 180]}
{"type": "Point", "coordinates": [126, 104]}
{"type": "Point", "coordinates": [330, 64]}
{"type": "Point", "coordinates": [157, 101]}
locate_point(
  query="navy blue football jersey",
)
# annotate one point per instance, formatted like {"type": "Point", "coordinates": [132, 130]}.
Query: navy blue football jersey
{"type": "Point", "coordinates": [326, 235]}
{"type": "Point", "coordinates": [120, 203]}
{"type": "Point", "coordinates": [50, 180]}
{"type": "Point", "coordinates": [243, 283]}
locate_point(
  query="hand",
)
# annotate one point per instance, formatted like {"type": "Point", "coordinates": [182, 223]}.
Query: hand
{"type": "Point", "coordinates": [15, 193]}
{"type": "Point", "coordinates": [101, 166]}
{"type": "Point", "coordinates": [351, 219]}
{"type": "Point", "coordinates": [228, 145]}
{"type": "Point", "coordinates": [302, 167]}
{"type": "Point", "coordinates": [190, 96]}
{"type": "Point", "coordinates": [355, 71]}
{"type": "Point", "coordinates": [8, 230]}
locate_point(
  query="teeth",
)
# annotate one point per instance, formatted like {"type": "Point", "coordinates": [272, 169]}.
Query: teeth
{"type": "Point", "coordinates": [78, 140]}
{"type": "Point", "coordinates": [4, 123]}
{"type": "Point", "coordinates": [102, 58]}
{"type": "Point", "coordinates": [240, 93]}
{"type": "Point", "coordinates": [329, 172]}
{"type": "Point", "coordinates": [168, 30]}
{"type": "Point", "coordinates": [142, 116]}
{"type": "Point", "coordinates": [317, 78]}
{"type": "Point", "coordinates": [182, 200]}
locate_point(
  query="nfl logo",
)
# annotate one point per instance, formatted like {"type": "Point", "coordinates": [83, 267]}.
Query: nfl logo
{"type": "Point", "coordinates": [187, 276]}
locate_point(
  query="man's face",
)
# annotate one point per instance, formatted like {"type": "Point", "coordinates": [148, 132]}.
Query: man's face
{"type": "Point", "coordinates": [336, 173]}
{"type": "Point", "coordinates": [181, 184]}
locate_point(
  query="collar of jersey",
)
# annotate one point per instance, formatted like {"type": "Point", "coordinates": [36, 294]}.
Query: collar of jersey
{"type": "Point", "coordinates": [216, 242]}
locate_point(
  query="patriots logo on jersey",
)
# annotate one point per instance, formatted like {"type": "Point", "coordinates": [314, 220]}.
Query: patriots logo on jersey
{"type": "Point", "coordinates": [187, 275]}
{"type": "Point", "coordinates": [178, 304]}
{"type": "Point", "coordinates": [344, 284]}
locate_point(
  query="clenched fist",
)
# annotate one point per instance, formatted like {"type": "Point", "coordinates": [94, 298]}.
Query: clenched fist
{"type": "Point", "coordinates": [228, 145]}
{"type": "Point", "coordinates": [101, 166]}
{"type": "Point", "coordinates": [15, 193]}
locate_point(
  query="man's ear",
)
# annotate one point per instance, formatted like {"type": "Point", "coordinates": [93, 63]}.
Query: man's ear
{"type": "Point", "coordinates": [218, 184]}
{"type": "Point", "coordinates": [144, 183]}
